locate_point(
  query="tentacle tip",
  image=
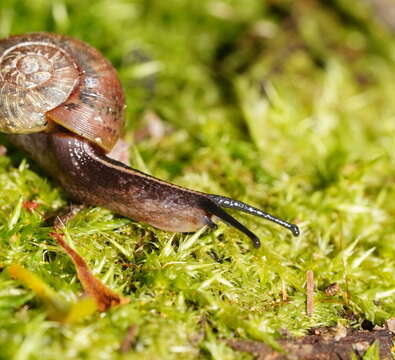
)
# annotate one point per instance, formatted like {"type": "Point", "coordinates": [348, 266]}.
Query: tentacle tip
{"type": "Point", "coordinates": [212, 225]}
{"type": "Point", "coordinates": [255, 241]}
{"type": "Point", "coordinates": [295, 230]}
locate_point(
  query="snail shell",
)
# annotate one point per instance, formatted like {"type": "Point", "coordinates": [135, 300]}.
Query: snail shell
{"type": "Point", "coordinates": [47, 77]}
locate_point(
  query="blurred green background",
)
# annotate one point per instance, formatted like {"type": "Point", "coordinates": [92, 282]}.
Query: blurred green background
{"type": "Point", "coordinates": [288, 105]}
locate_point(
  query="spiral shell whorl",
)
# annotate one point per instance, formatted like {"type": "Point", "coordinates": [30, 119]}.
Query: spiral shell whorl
{"type": "Point", "coordinates": [35, 77]}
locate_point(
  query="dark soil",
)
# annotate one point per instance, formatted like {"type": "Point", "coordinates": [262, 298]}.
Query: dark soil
{"type": "Point", "coordinates": [323, 344]}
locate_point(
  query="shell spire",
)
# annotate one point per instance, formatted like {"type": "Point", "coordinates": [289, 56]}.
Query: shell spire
{"type": "Point", "coordinates": [35, 77]}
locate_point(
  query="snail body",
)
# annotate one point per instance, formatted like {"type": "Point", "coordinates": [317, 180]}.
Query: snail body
{"type": "Point", "coordinates": [62, 103]}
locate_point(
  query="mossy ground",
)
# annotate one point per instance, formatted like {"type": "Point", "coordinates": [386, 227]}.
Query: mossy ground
{"type": "Point", "coordinates": [286, 105]}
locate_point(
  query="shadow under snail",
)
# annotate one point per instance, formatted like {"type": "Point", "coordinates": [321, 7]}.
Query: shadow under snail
{"type": "Point", "coordinates": [62, 103]}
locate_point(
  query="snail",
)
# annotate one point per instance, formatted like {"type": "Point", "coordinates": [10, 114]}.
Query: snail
{"type": "Point", "coordinates": [62, 103]}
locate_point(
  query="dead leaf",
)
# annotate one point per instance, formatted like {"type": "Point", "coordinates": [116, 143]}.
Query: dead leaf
{"type": "Point", "coordinates": [105, 298]}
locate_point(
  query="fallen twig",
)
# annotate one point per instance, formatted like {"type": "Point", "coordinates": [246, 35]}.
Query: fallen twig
{"type": "Point", "coordinates": [310, 293]}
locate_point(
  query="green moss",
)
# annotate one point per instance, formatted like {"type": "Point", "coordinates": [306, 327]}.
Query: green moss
{"type": "Point", "coordinates": [286, 106]}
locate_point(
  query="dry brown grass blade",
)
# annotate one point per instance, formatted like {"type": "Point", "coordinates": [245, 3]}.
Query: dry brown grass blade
{"type": "Point", "coordinates": [57, 307]}
{"type": "Point", "coordinates": [105, 298]}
